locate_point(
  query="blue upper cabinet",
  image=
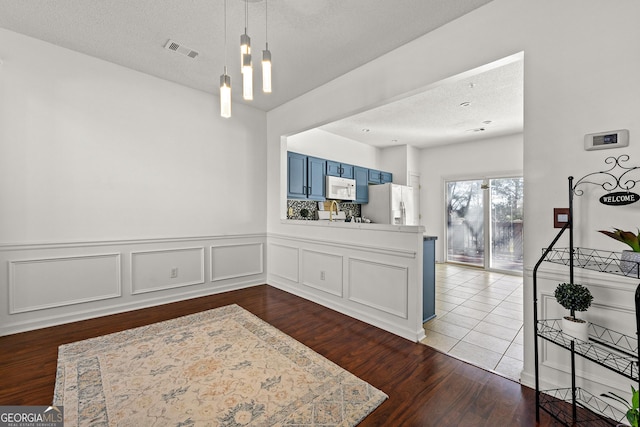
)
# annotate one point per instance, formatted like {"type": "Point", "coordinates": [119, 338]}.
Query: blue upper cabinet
{"type": "Point", "coordinates": [339, 169]}
{"type": "Point", "coordinates": [379, 177]}
{"type": "Point", "coordinates": [305, 177]}
{"type": "Point", "coordinates": [316, 171]}
{"type": "Point", "coordinates": [296, 176]}
{"type": "Point", "coordinates": [362, 184]}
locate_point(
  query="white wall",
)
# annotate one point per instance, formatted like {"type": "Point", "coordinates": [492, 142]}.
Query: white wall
{"type": "Point", "coordinates": [394, 160]}
{"type": "Point", "coordinates": [580, 77]}
{"type": "Point", "coordinates": [91, 150]}
{"type": "Point", "coordinates": [326, 145]}
{"type": "Point", "coordinates": [98, 162]}
{"type": "Point", "coordinates": [494, 157]}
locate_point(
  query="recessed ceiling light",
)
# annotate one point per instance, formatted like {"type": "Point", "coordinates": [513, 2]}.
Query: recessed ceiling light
{"type": "Point", "coordinates": [365, 130]}
{"type": "Point", "coordinates": [465, 104]}
{"type": "Point", "coordinates": [476, 130]}
{"type": "Point", "coordinates": [394, 141]}
{"type": "Point", "coordinates": [486, 122]}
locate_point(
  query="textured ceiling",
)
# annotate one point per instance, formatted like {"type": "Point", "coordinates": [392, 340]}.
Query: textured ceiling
{"type": "Point", "coordinates": [483, 103]}
{"type": "Point", "coordinates": [312, 42]}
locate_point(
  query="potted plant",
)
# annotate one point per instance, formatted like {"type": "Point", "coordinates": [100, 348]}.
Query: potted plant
{"type": "Point", "coordinates": [630, 258]}
{"type": "Point", "coordinates": [574, 298]}
{"type": "Point", "coordinates": [633, 409]}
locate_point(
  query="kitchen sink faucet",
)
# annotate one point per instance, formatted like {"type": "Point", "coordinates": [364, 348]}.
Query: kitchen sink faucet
{"type": "Point", "coordinates": [333, 203]}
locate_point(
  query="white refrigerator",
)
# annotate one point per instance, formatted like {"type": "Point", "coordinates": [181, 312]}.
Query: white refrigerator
{"type": "Point", "coordinates": [390, 204]}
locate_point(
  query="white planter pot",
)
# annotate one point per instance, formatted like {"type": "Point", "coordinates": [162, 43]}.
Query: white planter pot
{"type": "Point", "coordinates": [579, 330]}
{"type": "Point", "coordinates": [629, 263]}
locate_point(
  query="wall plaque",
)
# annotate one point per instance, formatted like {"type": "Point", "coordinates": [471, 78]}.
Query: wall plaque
{"type": "Point", "coordinates": [619, 198]}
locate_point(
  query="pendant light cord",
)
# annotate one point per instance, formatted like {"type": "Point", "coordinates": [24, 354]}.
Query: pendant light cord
{"type": "Point", "coordinates": [225, 36]}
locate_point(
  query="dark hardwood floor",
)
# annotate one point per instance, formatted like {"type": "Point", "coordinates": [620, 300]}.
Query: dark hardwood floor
{"type": "Point", "coordinates": [425, 387]}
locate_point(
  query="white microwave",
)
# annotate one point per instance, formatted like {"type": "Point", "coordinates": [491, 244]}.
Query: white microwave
{"type": "Point", "coordinates": [340, 188]}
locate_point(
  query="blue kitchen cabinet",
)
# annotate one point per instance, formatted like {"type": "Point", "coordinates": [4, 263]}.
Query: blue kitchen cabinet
{"type": "Point", "coordinates": [339, 169]}
{"type": "Point", "coordinates": [428, 278]}
{"type": "Point", "coordinates": [296, 176]}
{"type": "Point", "coordinates": [361, 176]}
{"type": "Point", "coordinates": [379, 177]}
{"type": "Point", "coordinates": [305, 177]}
{"type": "Point", "coordinates": [316, 171]}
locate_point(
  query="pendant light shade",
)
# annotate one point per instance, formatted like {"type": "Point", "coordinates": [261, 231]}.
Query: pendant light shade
{"type": "Point", "coordinates": [247, 77]}
{"type": "Point", "coordinates": [225, 95]}
{"type": "Point", "coordinates": [246, 64]}
{"type": "Point", "coordinates": [225, 79]}
{"type": "Point", "coordinates": [266, 54]}
{"type": "Point", "coordinates": [245, 47]}
{"type": "Point", "coordinates": [266, 70]}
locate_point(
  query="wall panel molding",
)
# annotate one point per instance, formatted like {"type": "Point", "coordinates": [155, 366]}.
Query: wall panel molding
{"type": "Point", "coordinates": [46, 284]}
{"type": "Point", "coordinates": [379, 285]}
{"type": "Point", "coordinates": [231, 261]}
{"type": "Point", "coordinates": [323, 271]}
{"type": "Point", "coordinates": [151, 269]}
{"type": "Point", "coordinates": [4, 247]}
{"type": "Point", "coordinates": [284, 261]}
{"type": "Point", "coordinates": [41, 283]}
{"type": "Point", "coordinates": [361, 248]}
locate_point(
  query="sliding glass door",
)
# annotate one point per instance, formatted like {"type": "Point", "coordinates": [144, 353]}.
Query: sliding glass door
{"type": "Point", "coordinates": [484, 223]}
{"type": "Point", "coordinates": [506, 223]}
{"type": "Point", "coordinates": [465, 222]}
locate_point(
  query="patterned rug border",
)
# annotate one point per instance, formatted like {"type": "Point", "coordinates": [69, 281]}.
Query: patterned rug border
{"type": "Point", "coordinates": [84, 352]}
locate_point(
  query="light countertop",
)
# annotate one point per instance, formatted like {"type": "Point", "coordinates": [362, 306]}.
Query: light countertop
{"type": "Point", "coordinates": [356, 225]}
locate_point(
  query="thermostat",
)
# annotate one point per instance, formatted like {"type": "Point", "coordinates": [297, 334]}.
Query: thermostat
{"type": "Point", "coordinates": [602, 140]}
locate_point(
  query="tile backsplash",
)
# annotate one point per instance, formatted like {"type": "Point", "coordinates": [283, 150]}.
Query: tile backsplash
{"type": "Point", "coordinates": [306, 209]}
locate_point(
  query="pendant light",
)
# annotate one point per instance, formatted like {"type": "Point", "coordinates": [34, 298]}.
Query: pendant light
{"type": "Point", "coordinates": [266, 55]}
{"type": "Point", "coordinates": [225, 95]}
{"type": "Point", "coordinates": [225, 79]}
{"type": "Point", "coordinates": [245, 52]}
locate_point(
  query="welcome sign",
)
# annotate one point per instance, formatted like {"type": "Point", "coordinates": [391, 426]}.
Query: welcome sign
{"type": "Point", "coordinates": [619, 198]}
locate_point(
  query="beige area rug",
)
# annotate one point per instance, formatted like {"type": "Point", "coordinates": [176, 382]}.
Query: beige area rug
{"type": "Point", "coordinates": [222, 367]}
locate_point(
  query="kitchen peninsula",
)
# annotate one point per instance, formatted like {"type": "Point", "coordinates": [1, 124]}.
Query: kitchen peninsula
{"type": "Point", "coordinates": [381, 274]}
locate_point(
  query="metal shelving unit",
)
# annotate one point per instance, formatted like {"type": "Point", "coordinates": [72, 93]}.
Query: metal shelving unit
{"type": "Point", "coordinates": [595, 260]}
{"type": "Point", "coordinates": [605, 347]}
{"type": "Point", "coordinates": [611, 349]}
{"type": "Point", "coordinates": [596, 411]}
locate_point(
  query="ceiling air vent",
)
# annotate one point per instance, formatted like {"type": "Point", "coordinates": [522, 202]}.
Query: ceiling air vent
{"type": "Point", "coordinates": [183, 50]}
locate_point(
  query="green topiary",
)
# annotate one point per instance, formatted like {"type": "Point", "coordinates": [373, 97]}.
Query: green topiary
{"type": "Point", "coordinates": [573, 297]}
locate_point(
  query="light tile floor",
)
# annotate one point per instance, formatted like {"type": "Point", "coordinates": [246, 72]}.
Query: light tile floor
{"type": "Point", "coordinates": [478, 318]}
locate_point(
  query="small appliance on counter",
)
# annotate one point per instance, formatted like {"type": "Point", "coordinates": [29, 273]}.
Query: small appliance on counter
{"type": "Point", "coordinates": [390, 204]}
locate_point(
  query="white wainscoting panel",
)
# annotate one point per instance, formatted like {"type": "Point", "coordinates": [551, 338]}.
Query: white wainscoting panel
{"type": "Point", "coordinates": [152, 270]}
{"type": "Point", "coordinates": [36, 284]}
{"type": "Point", "coordinates": [322, 271]}
{"type": "Point", "coordinates": [284, 261]}
{"type": "Point", "coordinates": [236, 260]}
{"type": "Point", "coordinates": [51, 283]}
{"type": "Point", "coordinates": [379, 285]}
